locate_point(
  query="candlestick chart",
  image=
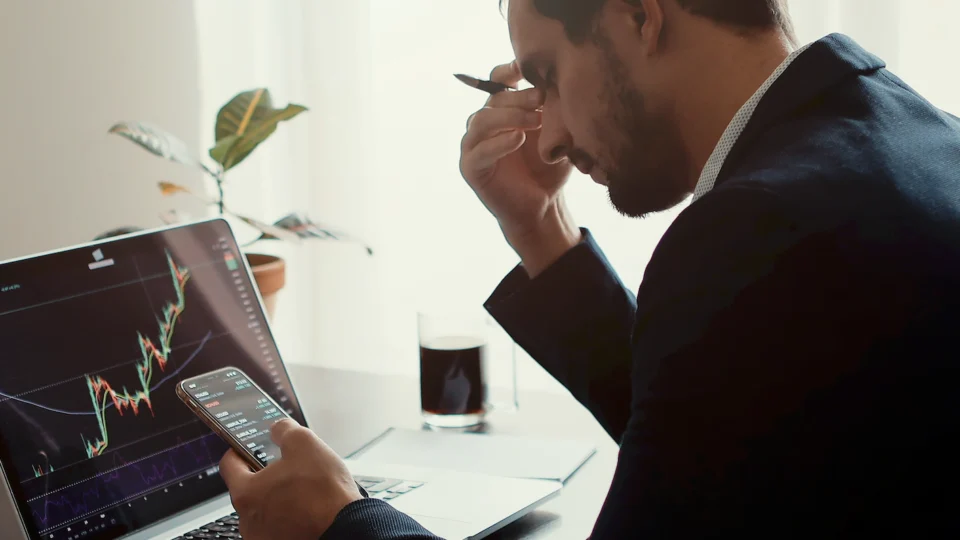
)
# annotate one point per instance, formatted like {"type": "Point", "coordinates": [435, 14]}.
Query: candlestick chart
{"type": "Point", "coordinates": [102, 394]}
{"type": "Point", "coordinates": [46, 468]}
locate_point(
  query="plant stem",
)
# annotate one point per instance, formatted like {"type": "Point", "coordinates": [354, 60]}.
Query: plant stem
{"type": "Point", "coordinates": [220, 190]}
{"type": "Point", "coordinates": [218, 177]}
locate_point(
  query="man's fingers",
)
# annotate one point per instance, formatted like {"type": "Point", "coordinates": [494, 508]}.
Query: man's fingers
{"type": "Point", "coordinates": [508, 74]}
{"type": "Point", "coordinates": [292, 438]}
{"type": "Point", "coordinates": [488, 152]}
{"type": "Point", "coordinates": [281, 427]}
{"type": "Point", "coordinates": [491, 121]}
{"type": "Point", "coordinates": [529, 98]}
{"type": "Point", "coordinates": [234, 471]}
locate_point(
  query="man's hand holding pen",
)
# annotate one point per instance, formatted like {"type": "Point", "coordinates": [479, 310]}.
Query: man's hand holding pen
{"type": "Point", "coordinates": [515, 176]}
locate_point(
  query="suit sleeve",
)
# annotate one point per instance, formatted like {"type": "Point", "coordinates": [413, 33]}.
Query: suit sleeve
{"type": "Point", "coordinates": [575, 320]}
{"type": "Point", "coordinates": [731, 321]}
{"type": "Point", "coordinates": [373, 519]}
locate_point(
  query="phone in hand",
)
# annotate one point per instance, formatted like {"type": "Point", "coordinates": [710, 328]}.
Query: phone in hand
{"type": "Point", "coordinates": [235, 408]}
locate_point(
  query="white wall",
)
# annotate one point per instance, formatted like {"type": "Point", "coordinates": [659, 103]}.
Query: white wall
{"type": "Point", "coordinates": [69, 71]}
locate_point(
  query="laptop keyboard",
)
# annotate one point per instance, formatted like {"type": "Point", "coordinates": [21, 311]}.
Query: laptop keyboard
{"type": "Point", "coordinates": [378, 488]}
{"type": "Point", "coordinates": [386, 488]}
{"type": "Point", "coordinates": [226, 527]}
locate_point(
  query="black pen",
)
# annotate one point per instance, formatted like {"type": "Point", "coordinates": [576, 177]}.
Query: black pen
{"type": "Point", "coordinates": [489, 87]}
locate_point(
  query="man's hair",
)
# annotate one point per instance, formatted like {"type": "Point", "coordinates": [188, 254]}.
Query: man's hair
{"type": "Point", "coordinates": [746, 16]}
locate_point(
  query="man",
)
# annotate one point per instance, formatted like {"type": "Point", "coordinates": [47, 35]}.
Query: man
{"type": "Point", "coordinates": [788, 366]}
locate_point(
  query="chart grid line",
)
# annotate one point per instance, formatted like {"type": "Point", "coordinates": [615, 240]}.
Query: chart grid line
{"type": "Point", "coordinates": [143, 283]}
{"type": "Point", "coordinates": [121, 447]}
{"type": "Point", "coordinates": [102, 289]}
{"type": "Point", "coordinates": [8, 396]}
{"type": "Point", "coordinates": [134, 462]}
{"type": "Point", "coordinates": [119, 503]}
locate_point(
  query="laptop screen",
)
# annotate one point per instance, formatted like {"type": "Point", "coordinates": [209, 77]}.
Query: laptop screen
{"type": "Point", "coordinates": [93, 439]}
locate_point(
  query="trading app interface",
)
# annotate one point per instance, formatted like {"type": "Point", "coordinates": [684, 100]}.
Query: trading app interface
{"type": "Point", "coordinates": [241, 409]}
{"type": "Point", "coordinates": [95, 442]}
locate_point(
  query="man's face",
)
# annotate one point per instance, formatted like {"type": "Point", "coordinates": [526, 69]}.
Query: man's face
{"type": "Point", "coordinates": [605, 109]}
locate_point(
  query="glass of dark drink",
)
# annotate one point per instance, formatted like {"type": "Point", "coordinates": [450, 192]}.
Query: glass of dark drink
{"type": "Point", "coordinates": [456, 357]}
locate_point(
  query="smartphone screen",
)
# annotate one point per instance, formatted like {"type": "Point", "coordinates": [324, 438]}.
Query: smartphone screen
{"type": "Point", "coordinates": [241, 409]}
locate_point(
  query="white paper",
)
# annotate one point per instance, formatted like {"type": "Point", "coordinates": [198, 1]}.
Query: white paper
{"type": "Point", "coordinates": [500, 455]}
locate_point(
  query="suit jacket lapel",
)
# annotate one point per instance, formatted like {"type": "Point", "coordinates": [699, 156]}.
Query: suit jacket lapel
{"type": "Point", "coordinates": [825, 63]}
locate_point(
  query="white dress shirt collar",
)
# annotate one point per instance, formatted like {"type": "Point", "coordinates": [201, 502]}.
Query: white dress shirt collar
{"type": "Point", "coordinates": [708, 176]}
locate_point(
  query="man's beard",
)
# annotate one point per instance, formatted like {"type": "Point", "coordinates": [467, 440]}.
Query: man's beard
{"type": "Point", "coordinates": [648, 163]}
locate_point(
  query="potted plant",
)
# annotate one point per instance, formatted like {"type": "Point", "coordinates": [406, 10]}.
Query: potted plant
{"type": "Point", "coordinates": [244, 122]}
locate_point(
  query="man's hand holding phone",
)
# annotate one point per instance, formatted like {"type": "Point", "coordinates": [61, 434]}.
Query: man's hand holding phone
{"type": "Point", "coordinates": [296, 496]}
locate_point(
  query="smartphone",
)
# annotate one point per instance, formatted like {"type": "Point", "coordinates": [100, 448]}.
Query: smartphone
{"type": "Point", "coordinates": [235, 408]}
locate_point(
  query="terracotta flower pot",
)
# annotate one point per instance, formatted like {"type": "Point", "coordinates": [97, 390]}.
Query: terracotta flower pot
{"type": "Point", "coordinates": [270, 274]}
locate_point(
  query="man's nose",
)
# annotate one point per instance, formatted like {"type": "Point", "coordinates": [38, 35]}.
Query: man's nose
{"type": "Point", "coordinates": [555, 140]}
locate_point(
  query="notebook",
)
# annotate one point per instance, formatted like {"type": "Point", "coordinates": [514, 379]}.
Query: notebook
{"type": "Point", "coordinates": [484, 453]}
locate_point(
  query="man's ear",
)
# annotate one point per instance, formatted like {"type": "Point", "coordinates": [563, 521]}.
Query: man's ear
{"type": "Point", "coordinates": [648, 20]}
{"type": "Point", "coordinates": [639, 15]}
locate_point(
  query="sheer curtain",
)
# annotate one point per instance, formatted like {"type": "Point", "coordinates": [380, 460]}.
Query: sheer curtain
{"type": "Point", "coordinates": [378, 152]}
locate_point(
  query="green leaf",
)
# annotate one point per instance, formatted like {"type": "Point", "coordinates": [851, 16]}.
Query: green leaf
{"type": "Point", "coordinates": [245, 108]}
{"type": "Point", "coordinates": [259, 133]}
{"type": "Point", "coordinates": [219, 152]}
{"type": "Point", "coordinates": [246, 121]}
{"type": "Point", "coordinates": [156, 141]}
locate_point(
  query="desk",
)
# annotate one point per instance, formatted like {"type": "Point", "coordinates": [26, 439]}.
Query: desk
{"type": "Point", "coordinates": [349, 408]}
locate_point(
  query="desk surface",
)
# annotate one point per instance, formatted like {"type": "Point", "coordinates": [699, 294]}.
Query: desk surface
{"type": "Point", "coordinates": [350, 408]}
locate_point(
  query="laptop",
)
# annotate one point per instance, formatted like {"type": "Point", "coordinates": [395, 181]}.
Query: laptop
{"type": "Point", "coordinates": [94, 443]}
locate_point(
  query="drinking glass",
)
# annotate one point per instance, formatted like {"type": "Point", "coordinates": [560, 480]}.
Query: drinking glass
{"type": "Point", "coordinates": [461, 353]}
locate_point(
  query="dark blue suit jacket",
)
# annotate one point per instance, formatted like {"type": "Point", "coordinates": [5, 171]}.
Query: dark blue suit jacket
{"type": "Point", "coordinates": [790, 365]}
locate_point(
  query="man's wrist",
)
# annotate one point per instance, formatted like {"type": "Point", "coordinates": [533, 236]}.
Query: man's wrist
{"type": "Point", "coordinates": [321, 510]}
{"type": "Point", "coordinates": [540, 248]}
